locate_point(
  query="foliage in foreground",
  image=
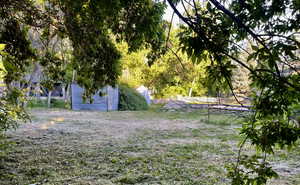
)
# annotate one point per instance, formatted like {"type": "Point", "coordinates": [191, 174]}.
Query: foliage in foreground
{"type": "Point", "coordinates": [11, 114]}
{"type": "Point", "coordinates": [130, 99]}
{"type": "Point", "coordinates": [271, 59]}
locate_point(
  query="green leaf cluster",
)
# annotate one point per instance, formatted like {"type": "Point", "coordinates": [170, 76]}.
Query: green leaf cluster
{"type": "Point", "coordinates": [95, 26]}
{"type": "Point", "coordinates": [172, 74]}
{"type": "Point", "coordinates": [251, 171]}
{"type": "Point", "coordinates": [223, 32]}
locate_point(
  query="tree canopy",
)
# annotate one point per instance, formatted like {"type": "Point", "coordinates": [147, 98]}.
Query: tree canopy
{"type": "Point", "coordinates": [93, 27]}
{"type": "Point", "coordinates": [220, 30]}
{"type": "Point", "coordinates": [170, 75]}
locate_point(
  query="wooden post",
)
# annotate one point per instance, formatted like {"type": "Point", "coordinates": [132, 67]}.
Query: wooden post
{"type": "Point", "coordinates": [107, 103]}
{"type": "Point", "coordinates": [208, 110]}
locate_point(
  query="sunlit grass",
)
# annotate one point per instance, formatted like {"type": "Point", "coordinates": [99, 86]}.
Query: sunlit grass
{"type": "Point", "coordinates": [193, 155]}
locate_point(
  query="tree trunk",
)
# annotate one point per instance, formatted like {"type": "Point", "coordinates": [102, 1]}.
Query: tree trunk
{"type": "Point", "coordinates": [208, 112]}
{"type": "Point", "coordinates": [67, 98]}
{"type": "Point", "coordinates": [49, 99]}
{"type": "Point", "coordinates": [191, 89]}
{"type": "Point", "coordinates": [219, 96]}
{"type": "Point", "coordinates": [27, 95]}
{"type": "Point", "coordinates": [190, 92]}
{"type": "Point", "coordinates": [73, 76]}
{"type": "Point", "coordinates": [34, 77]}
{"type": "Point", "coordinates": [28, 89]}
{"type": "Point", "coordinates": [38, 91]}
{"type": "Point", "coordinates": [63, 88]}
{"type": "Point", "coordinates": [17, 85]}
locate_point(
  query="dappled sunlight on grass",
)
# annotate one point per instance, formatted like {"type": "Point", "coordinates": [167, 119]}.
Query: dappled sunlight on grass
{"type": "Point", "coordinates": [51, 123]}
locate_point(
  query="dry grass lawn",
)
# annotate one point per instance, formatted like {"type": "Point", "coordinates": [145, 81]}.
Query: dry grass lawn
{"type": "Point", "coordinates": [144, 147]}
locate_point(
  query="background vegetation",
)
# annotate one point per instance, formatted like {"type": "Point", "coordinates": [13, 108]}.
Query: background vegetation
{"type": "Point", "coordinates": [130, 99]}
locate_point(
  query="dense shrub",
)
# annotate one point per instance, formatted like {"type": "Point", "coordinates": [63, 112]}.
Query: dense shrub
{"type": "Point", "coordinates": [130, 99]}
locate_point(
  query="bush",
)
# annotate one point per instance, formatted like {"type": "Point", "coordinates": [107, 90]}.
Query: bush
{"type": "Point", "coordinates": [34, 103]}
{"type": "Point", "coordinates": [42, 103]}
{"type": "Point", "coordinates": [130, 99]}
{"type": "Point", "coordinates": [56, 103]}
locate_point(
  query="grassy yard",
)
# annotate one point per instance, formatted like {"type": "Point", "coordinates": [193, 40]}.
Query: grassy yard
{"type": "Point", "coordinates": [147, 147]}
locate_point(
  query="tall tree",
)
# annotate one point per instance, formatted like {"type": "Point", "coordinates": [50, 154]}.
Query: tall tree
{"type": "Point", "coordinates": [172, 74]}
{"type": "Point", "coordinates": [95, 26]}
{"type": "Point", "coordinates": [92, 26]}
